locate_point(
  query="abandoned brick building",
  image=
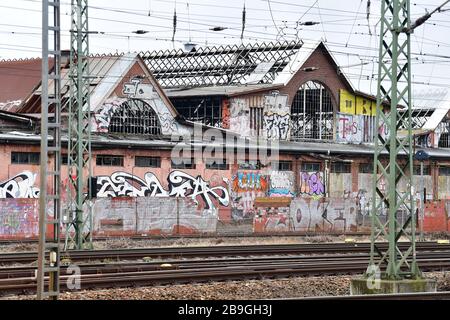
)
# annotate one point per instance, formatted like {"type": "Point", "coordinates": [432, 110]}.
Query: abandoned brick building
{"type": "Point", "coordinates": [291, 93]}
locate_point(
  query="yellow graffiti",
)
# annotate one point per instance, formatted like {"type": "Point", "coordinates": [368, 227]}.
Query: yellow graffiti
{"type": "Point", "coordinates": [347, 102]}
{"type": "Point", "coordinates": [352, 104]}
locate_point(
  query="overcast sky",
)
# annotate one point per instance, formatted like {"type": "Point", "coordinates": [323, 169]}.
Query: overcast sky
{"type": "Point", "coordinates": [344, 26]}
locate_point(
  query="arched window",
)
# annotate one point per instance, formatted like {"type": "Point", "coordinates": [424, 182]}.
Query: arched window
{"type": "Point", "coordinates": [312, 113]}
{"type": "Point", "coordinates": [135, 117]}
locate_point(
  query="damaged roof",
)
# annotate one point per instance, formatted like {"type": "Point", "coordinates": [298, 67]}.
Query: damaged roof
{"type": "Point", "coordinates": [258, 63]}
{"type": "Point", "coordinates": [18, 78]}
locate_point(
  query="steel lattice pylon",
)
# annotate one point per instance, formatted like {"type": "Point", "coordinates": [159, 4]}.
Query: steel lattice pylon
{"type": "Point", "coordinates": [79, 228]}
{"type": "Point", "coordinates": [394, 136]}
{"type": "Point", "coordinates": [50, 180]}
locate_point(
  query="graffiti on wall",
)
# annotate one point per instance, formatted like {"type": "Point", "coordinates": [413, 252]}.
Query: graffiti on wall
{"type": "Point", "coordinates": [180, 184]}
{"type": "Point", "coordinates": [276, 117]}
{"type": "Point", "coordinates": [277, 126]}
{"type": "Point", "coordinates": [354, 128]}
{"type": "Point", "coordinates": [150, 215]}
{"type": "Point", "coordinates": [20, 186]}
{"type": "Point", "coordinates": [249, 181]}
{"type": "Point", "coordinates": [349, 128]}
{"type": "Point", "coordinates": [138, 90]}
{"type": "Point", "coordinates": [246, 186]}
{"type": "Point", "coordinates": [103, 116]}
{"type": "Point", "coordinates": [239, 117]}
{"type": "Point", "coordinates": [312, 184]}
{"type": "Point", "coordinates": [225, 114]}
{"type": "Point", "coordinates": [281, 184]}
{"type": "Point", "coordinates": [19, 217]}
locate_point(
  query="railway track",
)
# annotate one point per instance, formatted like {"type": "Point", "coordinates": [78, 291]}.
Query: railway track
{"type": "Point", "coordinates": [210, 251]}
{"type": "Point", "coordinates": [21, 280]}
{"type": "Point", "coordinates": [440, 295]}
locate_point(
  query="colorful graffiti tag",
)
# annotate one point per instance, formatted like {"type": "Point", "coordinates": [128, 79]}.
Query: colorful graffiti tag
{"type": "Point", "coordinates": [246, 181]}
{"type": "Point", "coordinates": [281, 184]}
{"type": "Point", "coordinates": [246, 186]}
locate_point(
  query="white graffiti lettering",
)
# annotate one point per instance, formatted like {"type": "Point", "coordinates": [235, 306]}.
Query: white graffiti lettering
{"type": "Point", "coordinates": [277, 126]}
{"type": "Point", "coordinates": [20, 186]}
{"type": "Point", "coordinates": [180, 185]}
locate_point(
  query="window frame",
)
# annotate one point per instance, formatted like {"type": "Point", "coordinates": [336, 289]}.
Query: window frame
{"type": "Point", "coordinates": [279, 168]}
{"type": "Point", "coordinates": [361, 165]}
{"type": "Point", "coordinates": [223, 165]}
{"type": "Point", "coordinates": [311, 163]}
{"type": "Point", "coordinates": [98, 157]}
{"type": "Point", "coordinates": [20, 160]}
{"type": "Point", "coordinates": [149, 164]}
{"type": "Point", "coordinates": [183, 165]}
{"type": "Point", "coordinates": [343, 164]}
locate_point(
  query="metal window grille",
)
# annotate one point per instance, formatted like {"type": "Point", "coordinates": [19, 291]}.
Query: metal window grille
{"type": "Point", "coordinates": [312, 113]}
{"type": "Point", "coordinates": [25, 157]}
{"type": "Point", "coordinates": [135, 117]}
{"type": "Point", "coordinates": [444, 140]}
{"type": "Point", "coordinates": [150, 162]}
{"type": "Point", "coordinates": [256, 120]}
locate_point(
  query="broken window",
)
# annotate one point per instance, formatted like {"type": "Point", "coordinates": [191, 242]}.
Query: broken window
{"type": "Point", "coordinates": [204, 110]}
{"type": "Point", "coordinates": [312, 113]}
{"type": "Point", "coordinates": [135, 117]}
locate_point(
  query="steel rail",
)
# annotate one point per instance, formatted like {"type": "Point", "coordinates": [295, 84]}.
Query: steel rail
{"type": "Point", "coordinates": [189, 252]}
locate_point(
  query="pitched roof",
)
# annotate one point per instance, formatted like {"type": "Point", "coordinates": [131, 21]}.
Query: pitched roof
{"type": "Point", "coordinates": [106, 73]}
{"type": "Point", "coordinates": [18, 78]}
